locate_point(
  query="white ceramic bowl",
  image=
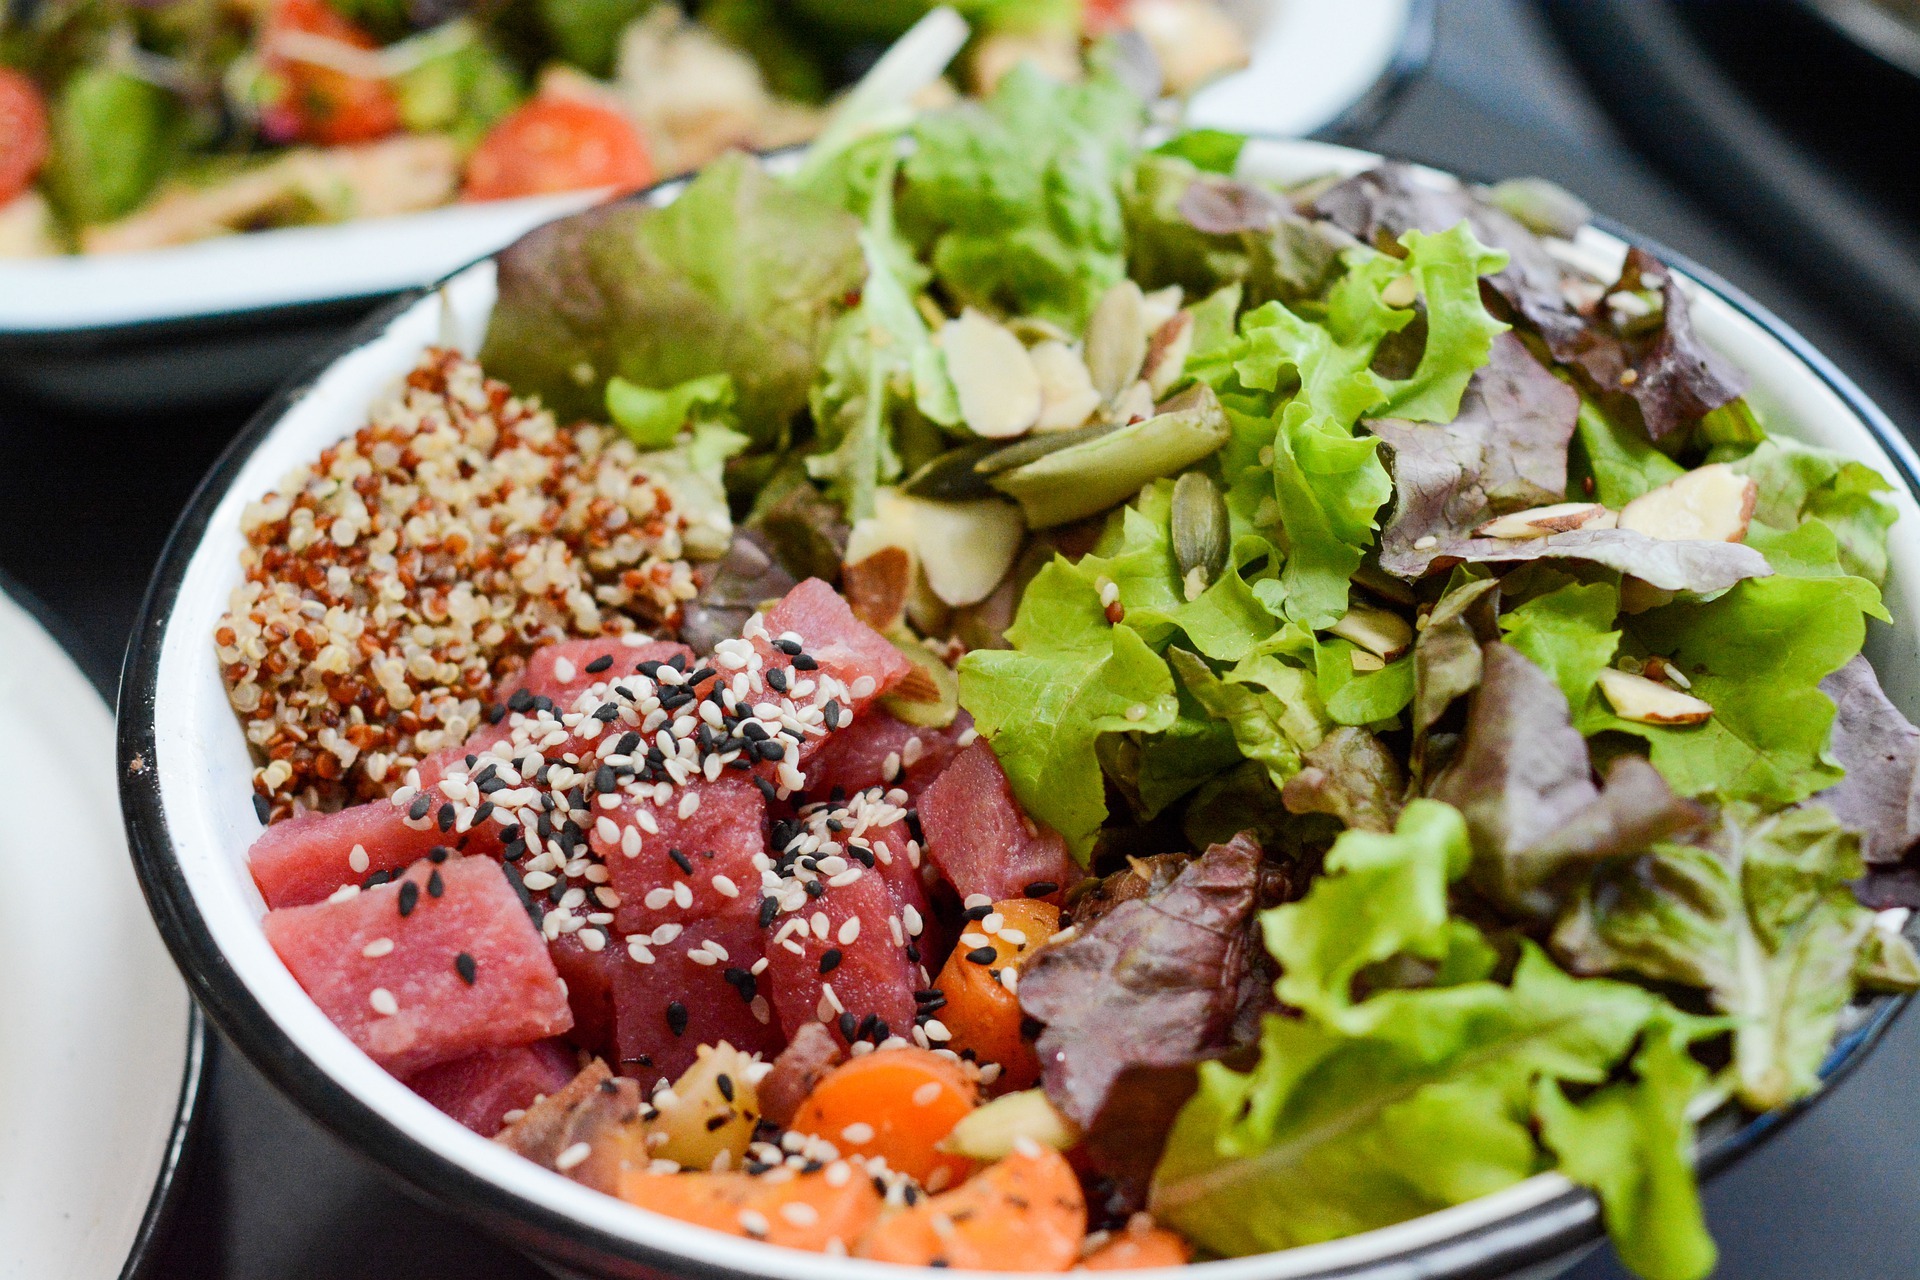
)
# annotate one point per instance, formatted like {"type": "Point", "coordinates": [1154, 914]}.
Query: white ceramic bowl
{"type": "Point", "coordinates": [191, 819]}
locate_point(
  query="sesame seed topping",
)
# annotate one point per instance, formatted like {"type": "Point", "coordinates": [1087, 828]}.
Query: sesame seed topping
{"type": "Point", "coordinates": [383, 1002]}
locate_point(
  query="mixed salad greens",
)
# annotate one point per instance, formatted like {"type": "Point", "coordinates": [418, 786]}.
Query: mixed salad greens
{"type": "Point", "coordinates": [128, 124]}
{"type": "Point", "coordinates": [1456, 604]}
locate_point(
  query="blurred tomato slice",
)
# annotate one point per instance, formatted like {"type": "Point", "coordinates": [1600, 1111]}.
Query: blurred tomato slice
{"type": "Point", "coordinates": [1104, 17]}
{"type": "Point", "coordinates": [558, 144]}
{"type": "Point", "coordinates": [23, 133]}
{"type": "Point", "coordinates": [309, 52]}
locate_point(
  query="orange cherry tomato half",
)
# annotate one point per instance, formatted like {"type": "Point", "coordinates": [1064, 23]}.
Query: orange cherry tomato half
{"type": "Point", "coordinates": [314, 102]}
{"type": "Point", "coordinates": [23, 133]}
{"type": "Point", "coordinates": [558, 144]}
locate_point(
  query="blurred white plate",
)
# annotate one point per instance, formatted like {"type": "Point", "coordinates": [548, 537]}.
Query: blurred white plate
{"type": "Point", "coordinates": [1315, 62]}
{"type": "Point", "coordinates": [100, 1052]}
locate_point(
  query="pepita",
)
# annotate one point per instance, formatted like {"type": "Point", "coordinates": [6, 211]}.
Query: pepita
{"type": "Point", "coordinates": [951, 476]}
{"type": "Point", "coordinates": [1200, 526]}
{"type": "Point", "coordinates": [1008, 456]}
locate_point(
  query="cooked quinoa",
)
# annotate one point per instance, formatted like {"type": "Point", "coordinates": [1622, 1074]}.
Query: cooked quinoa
{"type": "Point", "coordinates": [393, 582]}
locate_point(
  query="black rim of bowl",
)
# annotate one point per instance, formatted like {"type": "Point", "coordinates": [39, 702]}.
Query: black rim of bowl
{"type": "Point", "coordinates": [1547, 1231]}
{"type": "Point", "coordinates": [170, 1178]}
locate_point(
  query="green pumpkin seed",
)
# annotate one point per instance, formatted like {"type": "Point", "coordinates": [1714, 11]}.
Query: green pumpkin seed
{"type": "Point", "coordinates": [1035, 447]}
{"type": "Point", "coordinates": [951, 477]}
{"type": "Point", "coordinates": [1201, 531]}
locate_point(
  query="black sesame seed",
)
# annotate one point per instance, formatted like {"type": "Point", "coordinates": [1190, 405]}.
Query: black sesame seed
{"type": "Point", "coordinates": [439, 853]}
{"type": "Point", "coordinates": [769, 908]}
{"type": "Point", "coordinates": [495, 713]}
{"type": "Point", "coordinates": [629, 742]}
{"type": "Point", "coordinates": [376, 879]}
{"type": "Point", "coordinates": [521, 701]}
{"type": "Point", "coordinates": [830, 960]}
{"type": "Point", "coordinates": [602, 663]}
{"type": "Point", "coordinates": [604, 780]}
{"type": "Point", "coordinates": [778, 679]}
{"type": "Point", "coordinates": [422, 803]}
{"type": "Point", "coordinates": [680, 860]}
{"type": "Point", "coordinates": [980, 912]}
{"type": "Point", "coordinates": [262, 807]}
{"type": "Point", "coordinates": [1030, 1028]}
{"type": "Point", "coordinates": [913, 952]}
{"type": "Point", "coordinates": [867, 1025]}
{"type": "Point", "coordinates": [789, 647]}
{"type": "Point", "coordinates": [880, 1030]}
{"type": "Point", "coordinates": [717, 1122]}
{"type": "Point", "coordinates": [815, 889]}
{"type": "Point", "coordinates": [676, 1017]}
{"type": "Point", "coordinates": [678, 662]}
{"type": "Point", "coordinates": [467, 968]}
{"type": "Point", "coordinates": [447, 815]}
{"type": "Point", "coordinates": [435, 885]}
{"type": "Point", "coordinates": [724, 1083]}
{"type": "Point", "coordinates": [926, 994]}
{"type": "Point", "coordinates": [767, 789]}
{"type": "Point", "coordinates": [607, 712]}
{"type": "Point", "coordinates": [848, 1025]}
{"type": "Point", "coordinates": [804, 662]}
{"type": "Point", "coordinates": [982, 955]}
{"type": "Point", "coordinates": [831, 712]}
{"type": "Point", "coordinates": [409, 897]}
{"type": "Point", "coordinates": [484, 812]}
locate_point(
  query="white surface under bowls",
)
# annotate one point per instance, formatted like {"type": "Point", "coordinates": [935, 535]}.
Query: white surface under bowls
{"type": "Point", "coordinates": [98, 1048]}
{"type": "Point", "coordinates": [194, 821]}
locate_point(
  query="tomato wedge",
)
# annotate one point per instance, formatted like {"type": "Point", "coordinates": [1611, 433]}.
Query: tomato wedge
{"type": "Point", "coordinates": [558, 144]}
{"type": "Point", "coordinates": [23, 133]}
{"type": "Point", "coordinates": [319, 95]}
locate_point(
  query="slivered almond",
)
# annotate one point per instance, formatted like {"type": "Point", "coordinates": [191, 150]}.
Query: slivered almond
{"type": "Point", "coordinates": [1364, 661]}
{"type": "Point", "coordinates": [1383, 634]}
{"type": "Point", "coordinates": [877, 586]}
{"type": "Point", "coordinates": [998, 387]}
{"type": "Point", "coordinates": [1538, 522]}
{"type": "Point", "coordinates": [1167, 353]}
{"type": "Point", "coordinates": [1067, 397]}
{"type": "Point", "coordinates": [1708, 504]}
{"type": "Point", "coordinates": [918, 685]}
{"type": "Point", "coordinates": [1158, 307]}
{"type": "Point", "coordinates": [1117, 340]}
{"type": "Point", "coordinates": [1133, 404]}
{"type": "Point", "coordinates": [965, 548]}
{"type": "Point", "coordinates": [1645, 701]}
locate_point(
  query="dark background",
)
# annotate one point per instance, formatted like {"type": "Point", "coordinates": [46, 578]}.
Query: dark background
{"type": "Point", "coordinates": [85, 505]}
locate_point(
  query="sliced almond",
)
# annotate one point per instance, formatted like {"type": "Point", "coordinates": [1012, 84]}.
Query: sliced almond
{"type": "Point", "coordinates": [1067, 397]}
{"type": "Point", "coordinates": [1167, 353]}
{"type": "Point", "coordinates": [965, 548]}
{"type": "Point", "coordinates": [1538, 522]}
{"type": "Point", "coordinates": [1158, 307]}
{"type": "Point", "coordinates": [1364, 662]}
{"type": "Point", "coordinates": [1383, 634]}
{"type": "Point", "coordinates": [998, 387]}
{"type": "Point", "coordinates": [1645, 701]}
{"type": "Point", "coordinates": [1709, 504]}
{"type": "Point", "coordinates": [1117, 340]}
{"type": "Point", "coordinates": [1133, 404]}
{"type": "Point", "coordinates": [876, 587]}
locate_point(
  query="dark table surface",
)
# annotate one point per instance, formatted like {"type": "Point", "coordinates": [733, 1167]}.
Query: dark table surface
{"type": "Point", "coordinates": [86, 504]}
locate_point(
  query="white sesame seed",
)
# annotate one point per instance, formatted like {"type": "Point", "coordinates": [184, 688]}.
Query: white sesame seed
{"type": "Point", "coordinates": [800, 1213]}
{"type": "Point", "coordinates": [762, 1011]}
{"type": "Point", "coordinates": [344, 893]}
{"type": "Point", "coordinates": [383, 1002]}
{"type": "Point", "coordinates": [594, 940]}
{"type": "Point", "coordinates": [663, 934]}
{"type": "Point", "coordinates": [725, 886]}
{"type": "Point", "coordinates": [690, 801]}
{"type": "Point", "coordinates": [927, 1094]}
{"type": "Point", "coordinates": [540, 881]}
{"type": "Point", "coordinates": [991, 922]}
{"type": "Point", "coordinates": [1427, 543]}
{"type": "Point", "coordinates": [937, 1030]}
{"type": "Point", "coordinates": [657, 899]}
{"type": "Point", "coordinates": [1018, 937]}
{"type": "Point", "coordinates": [972, 941]}
{"type": "Point", "coordinates": [820, 925]}
{"type": "Point", "coordinates": [703, 958]}
{"type": "Point", "coordinates": [754, 1223]}
{"type": "Point", "coordinates": [717, 951]}
{"type": "Point", "coordinates": [976, 900]}
{"type": "Point", "coordinates": [682, 896]}
{"type": "Point", "coordinates": [863, 687]}
{"type": "Point", "coordinates": [377, 948]}
{"type": "Point", "coordinates": [630, 842]}
{"type": "Point", "coordinates": [859, 1133]}
{"type": "Point", "coordinates": [845, 878]}
{"type": "Point", "coordinates": [637, 948]}
{"type": "Point", "coordinates": [849, 931]}
{"type": "Point", "coordinates": [563, 671]}
{"type": "Point", "coordinates": [989, 1073]}
{"type": "Point", "coordinates": [358, 860]}
{"type": "Point", "coordinates": [912, 920]}
{"type": "Point", "coordinates": [607, 829]}
{"type": "Point", "coordinates": [839, 1173]}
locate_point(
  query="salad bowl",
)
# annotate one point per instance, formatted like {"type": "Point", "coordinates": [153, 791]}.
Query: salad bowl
{"type": "Point", "coordinates": [185, 796]}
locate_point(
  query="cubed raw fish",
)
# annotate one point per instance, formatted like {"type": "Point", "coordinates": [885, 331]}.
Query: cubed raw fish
{"type": "Point", "coordinates": [665, 1010]}
{"type": "Point", "coordinates": [415, 969]}
{"type": "Point", "coordinates": [718, 839]}
{"type": "Point", "coordinates": [542, 674]}
{"type": "Point", "coordinates": [982, 841]}
{"type": "Point", "coordinates": [843, 646]}
{"type": "Point", "coordinates": [856, 757]}
{"type": "Point", "coordinates": [305, 858]}
{"type": "Point", "coordinates": [589, 979]}
{"type": "Point", "coordinates": [481, 1088]}
{"type": "Point", "coordinates": [869, 972]}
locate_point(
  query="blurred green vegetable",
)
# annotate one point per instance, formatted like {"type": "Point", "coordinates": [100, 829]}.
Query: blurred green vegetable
{"type": "Point", "coordinates": [114, 136]}
{"type": "Point", "coordinates": [587, 32]}
{"type": "Point", "coordinates": [464, 90]}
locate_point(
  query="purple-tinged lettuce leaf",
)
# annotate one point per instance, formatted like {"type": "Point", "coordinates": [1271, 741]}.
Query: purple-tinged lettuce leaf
{"type": "Point", "coordinates": [1880, 750]}
{"type": "Point", "coordinates": [1673, 376]}
{"type": "Point", "coordinates": [1446, 653]}
{"type": "Point", "coordinates": [1351, 776]}
{"type": "Point", "coordinates": [1506, 451]}
{"type": "Point", "coordinates": [742, 275]}
{"type": "Point", "coordinates": [1759, 916]}
{"type": "Point", "coordinates": [1523, 780]}
{"type": "Point", "coordinates": [1671, 565]}
{"type": "Point", "coordinates": [1155, 982]}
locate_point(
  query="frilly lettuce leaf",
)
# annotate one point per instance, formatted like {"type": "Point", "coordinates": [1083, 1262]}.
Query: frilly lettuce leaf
{"type": "Point", "coordinates": [653, 418]}
{"type": "Point", "coordinates": [1225, 621]}
{"type": "Point", "coordinates": [1070, 677]}
{"type": "Point", "coordinates": [694, 471]}
{"type": "Point", "coordinates": [1269, 707]}
{"type": "Point", "coordinates": [1018, 198]}
{"type": "Point", "coordinates": [741, 275]}
{"type": "Point", "coordinates": [1759, 916]}
{"type": "Point", "coordinates": [1569, 633]}
{"type": "Point", "coordinates": [1618, 458]}
{"type": "Point", "coordinates": [1429, 1106]}
{"type": "Point", "coordinates": [1631, 1141]}
{"type": "Point", "coordinates": [1351, 776]}
{"type": "Point", "coordinates": [1327, 486]}
{"type": "Point", "coordinates": [1460, 332]}
{"type": "Point", "coordinates": [1799, 483]}
{"type": "Point", "coordinates": [1196, 749]}
{"type": "Point", "coordinates": [1757, 656]}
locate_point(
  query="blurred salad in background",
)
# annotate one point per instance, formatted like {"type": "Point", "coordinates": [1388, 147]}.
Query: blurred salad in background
{"type": "Point", "coordinates": [129, 125]}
